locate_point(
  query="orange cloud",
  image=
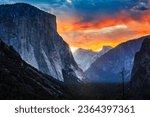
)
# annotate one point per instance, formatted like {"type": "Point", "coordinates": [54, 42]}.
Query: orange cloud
{"type": "Point", "coordinates": [109, 30]}
{"type": "Point", "coordinates": [95, 39]}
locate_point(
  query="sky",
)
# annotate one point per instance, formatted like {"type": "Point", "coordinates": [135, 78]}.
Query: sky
{"type": "Point", "coordinates": [92, 24]}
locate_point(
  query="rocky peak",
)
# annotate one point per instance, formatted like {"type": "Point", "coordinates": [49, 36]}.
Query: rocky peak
{"type": "Point", "coordinates": [85, 58]}
{"type": "Point", "coordinates": [20, 10]}
{"type": "Point", "coordinates": [33, 34]}
{"type": "Point", "coordinates": [104, 50]}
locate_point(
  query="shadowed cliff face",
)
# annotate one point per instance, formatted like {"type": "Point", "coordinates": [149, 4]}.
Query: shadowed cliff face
{"type": "Point", "coordinates": [19, 80]}
{"type": "Point", "coordinates": [34, 36]}
{"type": "Point", "coordinates": [141, 72]}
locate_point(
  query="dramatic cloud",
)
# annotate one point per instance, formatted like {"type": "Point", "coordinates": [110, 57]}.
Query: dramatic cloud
{"type": "Point", "coordinates": [95, 39]}
{"type": "Point", "coordinates": [109, 30]}
{"type": "Point", "coordinates": [142, 6]}
{"type": "Point", "coordinates": [90, 24]}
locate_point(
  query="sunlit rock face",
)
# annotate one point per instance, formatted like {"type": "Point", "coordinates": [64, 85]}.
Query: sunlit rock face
{"type": "Point", "coordinates": [34, 36]}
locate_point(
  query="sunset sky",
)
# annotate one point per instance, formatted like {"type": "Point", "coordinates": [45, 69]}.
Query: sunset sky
{"type": "Point", "coordinates": [91, 24]}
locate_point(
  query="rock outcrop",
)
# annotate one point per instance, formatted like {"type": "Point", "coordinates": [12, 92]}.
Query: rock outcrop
{"type": "Point", "coordinates": [140, 82]}
{"type": "Point", "coordinates": [33, 34]}
{"type": "Point", "coordinates": [19, 80]}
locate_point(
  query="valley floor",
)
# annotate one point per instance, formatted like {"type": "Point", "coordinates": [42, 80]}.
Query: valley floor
{"type": "Point", "coordinates": [93, 91]}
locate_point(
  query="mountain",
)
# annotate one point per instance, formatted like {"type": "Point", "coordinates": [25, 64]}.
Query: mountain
{"type": "Point", "coordinates": [19, 80]}
{"type": "Point", "coordinates": [140, 80]}
{"type": "Point", "coordinates": [33, 34]}
{"type": "Point", "coordinates": [85, 58]}
{"type": "Point", "coordinates": [104, 50]}
{"type": "Point", "coordinates": [108, 67]}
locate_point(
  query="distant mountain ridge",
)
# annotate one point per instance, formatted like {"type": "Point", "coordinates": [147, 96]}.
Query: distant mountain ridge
{"type": "Point", "coordinates": [85, 58]}
{"type": "Point", "coordinates": [33, 34]}
{"type": "Point", "coordinates": [108, 67]}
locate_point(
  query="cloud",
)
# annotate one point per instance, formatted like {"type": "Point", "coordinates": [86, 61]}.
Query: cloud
{"type": "Point", "coordinates": [105, 21]}
{"type": "Point", "coordinates": [109, 30]}
{"type": "Point", "coordinates": [95, 39]}
{"type": "Point", "coordinates": [141, 6]}
{"type": "Point", "coordinates": [91, 24]}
